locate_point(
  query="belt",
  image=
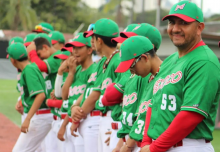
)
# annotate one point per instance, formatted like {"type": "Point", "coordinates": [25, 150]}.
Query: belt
{"type": "Point", "coordinates": [124, 140]}
{"type": "Point", "coordinates": [114, 126]}
{"type": "Point", "coordinates": [43, 111]}
{"type": "Point", "coordinates": [138, 143]}
{"type": "Point", "coordinates": [70, 120]}
{"type": "Point", "coordinates": [180, 143]}
{"type": "Point", "coordinates": [97, 113]}
{"type": "Point", "coordinates": [62, 116]}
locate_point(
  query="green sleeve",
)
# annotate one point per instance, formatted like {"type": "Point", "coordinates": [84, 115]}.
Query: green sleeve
{"type": "Point", "coordinates": [200, 88]}
{"type": "Point", "coordinates": [52, 64]}
{"type": "Point", "coordinates": [31, 75]}
{"type": "Point", "coordinates": [120, 85]}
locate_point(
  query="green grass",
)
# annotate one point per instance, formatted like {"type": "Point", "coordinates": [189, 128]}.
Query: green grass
{"type": "Point", "coordinates": [8, 99]}
{"type": "Point", "coordinates": [216, 141]}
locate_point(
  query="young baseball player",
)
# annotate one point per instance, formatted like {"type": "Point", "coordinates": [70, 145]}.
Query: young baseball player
{"type": "Point", "coordinates": [186, 89]}
{"type": "Point", "coordinates": [58, 39]}
{"type": "Point", "coordinates": [43, 27]}
{"type": "Point", "coordinates": [44, 50]}
{"type": "Point", "coordinates": [33, 91]}
{"type": "Point", "coordinates": [104, 30]}
{"type": "Point", "coordinates": [89, 127]}
{"type": "Point", "coordinates": [18, 105]}
{"type": "Point", "coordinates": [75, 85]}
{"type": "Point", "coordinates": [132, 95]}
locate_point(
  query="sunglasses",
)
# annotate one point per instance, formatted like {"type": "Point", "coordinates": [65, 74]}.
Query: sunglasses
{"type": "Point", "coordinates": [137, 59]}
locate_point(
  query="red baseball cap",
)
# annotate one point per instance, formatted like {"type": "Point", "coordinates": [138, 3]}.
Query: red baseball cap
{"type": "Point", "coordinates": [70, 49]}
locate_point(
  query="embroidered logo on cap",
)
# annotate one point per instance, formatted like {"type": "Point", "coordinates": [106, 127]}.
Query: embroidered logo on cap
{"type": "Point", "coordinates": [137, 27]}
{"type": "Point", "coordinates": [180, 7]}
{"type": "Point", "coordinates": [50, 35]}
{"type": "Point", "coordinates": [12, 41]}
{"type": "Point", "coordinates": [76, 37]}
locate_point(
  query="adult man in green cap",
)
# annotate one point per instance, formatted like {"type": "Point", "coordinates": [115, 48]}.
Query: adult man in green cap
{"type": "Point", "coordinates": [58, 39]}
{"type": "Point", "coordinates": [185, 89]}
{"type": "Point", "coordinates": [33, 93]}
{"type": "Point", "coordinates": [43, 27]}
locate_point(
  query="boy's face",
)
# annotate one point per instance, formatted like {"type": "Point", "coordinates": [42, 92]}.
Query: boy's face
{"type": "Point", "coordinates": [14, 63]}
{"type": "Point", "coordinates": [44, 53]}
{"type": "Point", "coordinates": [81, 53]}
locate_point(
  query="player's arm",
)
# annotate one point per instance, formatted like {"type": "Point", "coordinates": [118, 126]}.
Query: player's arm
{"type": "Point", "coordinates": [33, 57]}
{"type": "Point", "coordinates": [59, 79]}
{"type": "Point", "coordinates": [39, 98]}
{"type": "Point", "coordinates": [129, 145]}
{"type": "Point", "coordinates": [71, 63]}
{"type": "Point", "coordinates": [88, 105]}
{"type": "Point", "coordinates": [62, 129]}
{"type": "Point", "coordinates": [111, 96]}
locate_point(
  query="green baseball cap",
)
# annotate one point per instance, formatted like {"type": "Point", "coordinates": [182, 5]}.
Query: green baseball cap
{"type": "Point", "coordinates": [56, 37]}
{"type": "Point", "coordinates": [29, 38]}
{"type": "Point", "coordinates": [43, 27]}
{"type": "Point", "coordinates": [147, 30]}
{"type": "Point", "coordinates": [15, 39]}
{"type": "Point", "coordinates": [104, 27]}
{"type": "Point", "coordinates": [132, 48]}
{"type": "Point", "coordinates": [44, 35]}
{"type": "Point", "coordinates": [187, 11]}
{"type": "Point", "coordinates": [64, 55]}
{"type": "Point", "coordinates": [17, 51]}
{"type": "Point", "coordinates": [79, 40]}
{"type": "Point", "coordinates": [120, 39]}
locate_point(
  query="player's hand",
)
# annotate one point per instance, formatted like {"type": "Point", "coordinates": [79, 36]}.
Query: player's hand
{"type": "Point", "coordinates": [124, 148]}
{"type": "Point", "coordinates": [31, 47]}
{"type": "Point", "coordinates": [52, 95]}
{"type": "Point", "coordinates": [77, 114]}
{"type": "Point", "coordinates": [63, 68]}
{"type": "Point", "coordinates": [71, 63]}
{"type": "Point", "coordinates": [61, 133]}
{"type": "Point", "coordinates": [73, 128]}
{"type": "Point", "coordinates": [19, 107]}
{"type": "Point", "coordinates": [25, 125]}
{"type": "Point", "coordinates": [117, 149]}
{"type": "Point", "coordinates": [107, 141]}
{"type": "Point", "coordinates": [145, 148]}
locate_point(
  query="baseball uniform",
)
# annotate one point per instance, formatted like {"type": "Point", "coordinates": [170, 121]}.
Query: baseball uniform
{"type": "Point", "coordinates": [193, 81]}
{"type": "Point", "coordinates": [32, 83]}
{"type": "Point", "coordinates": [89, 127]}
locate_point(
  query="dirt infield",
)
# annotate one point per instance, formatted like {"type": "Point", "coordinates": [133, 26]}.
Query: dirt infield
{"type": "Point", "coordinates": [9, 133]}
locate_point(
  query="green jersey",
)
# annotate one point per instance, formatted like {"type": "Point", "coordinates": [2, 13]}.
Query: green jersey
{"type": "Point", "coordinates": [131, 97]}
{"type": "Point", "coordinates": [137, 129]}
{"type": "Point", "coordinates": [91, 83]}
{"type": "Point", "coordinates": [18, 86]}
{"type": "Point", "coordinates": [189, 83]}
{"type": "Point", "coordinates": [52, 67]}
{"type": "Point", "coordinates": [108, 76]}
{"type": "Point", "coordinates": [77, 87]}
{"type": "Point", "coordinates": [32, 83]}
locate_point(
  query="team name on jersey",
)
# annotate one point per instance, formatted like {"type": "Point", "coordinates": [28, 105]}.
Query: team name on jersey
{"type": "Point", "coordinates": [92, 77]}
{"type": "Point", "coordinates": [143, 107]}
{"type": "Point", "coordinates": [129, 99]}
{"type": "Point", "coordinates": [106, 83]}
{"type": "Point", "coordinates": [172, 78]}
{"type": "Point", "coordinates": [77, 90]}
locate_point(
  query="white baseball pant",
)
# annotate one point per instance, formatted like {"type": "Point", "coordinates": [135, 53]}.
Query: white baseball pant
{"type": "Point", "coordinates": [193, 145]}
{"type": "Point", "coordinates": [89, 129]}
{"type": "Point", "coordinates": [105, 126]}
{"type": "Point", "coordinates": [114, 139]}
{"type": "Point", "coordinates": [39, 127]}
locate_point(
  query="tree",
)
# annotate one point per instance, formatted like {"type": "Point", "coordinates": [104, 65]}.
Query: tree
{"type": "Point", "coordinates": [20, 15]}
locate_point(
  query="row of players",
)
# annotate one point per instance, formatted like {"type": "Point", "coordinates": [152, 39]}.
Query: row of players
{"type": "Point", "coordinates": [106, 99]}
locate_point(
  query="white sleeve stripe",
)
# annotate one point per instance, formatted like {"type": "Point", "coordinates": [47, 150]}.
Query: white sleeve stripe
{"type": "Point", "coordinates": [49, 70]}
{"type": "Point", "coordinates": [36, 92]}
{"type": "Point", "coordinates": [187, 107]}
{"type": "Point", "coordinates": [119, 88]}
